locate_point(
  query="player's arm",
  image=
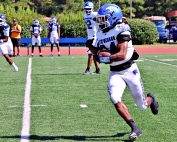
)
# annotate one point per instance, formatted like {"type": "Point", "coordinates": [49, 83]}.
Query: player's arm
{"type": "Point", "coordinates": [122, 46]}
{"type": "Point", "coordinates": [58, 32]}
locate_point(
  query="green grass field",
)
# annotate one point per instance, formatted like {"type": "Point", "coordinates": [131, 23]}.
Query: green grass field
{"type": "Point", "coordinates": [58, 88]}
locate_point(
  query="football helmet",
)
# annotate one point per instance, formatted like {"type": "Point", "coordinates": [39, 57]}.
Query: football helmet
{"type": "Point", "coordinates": [108, 16]}
{"type": "Point", "coordinates": [88, 7]}
{"type": "Point", "coordinates": [36, 21]}
{"type": "Point", "coordinates": [2, 19]}
{"type": "Point", "coordinates": [54, 20]}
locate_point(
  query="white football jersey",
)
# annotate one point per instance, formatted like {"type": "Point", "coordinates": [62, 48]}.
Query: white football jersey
{"type": "Point", "coordinates": [108, 40]}
{"type": "Point", "coordinates": [92, 26]}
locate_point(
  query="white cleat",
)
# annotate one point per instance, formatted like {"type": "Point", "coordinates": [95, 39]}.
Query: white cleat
{"type": "Point", "coordinates": [16, 69]}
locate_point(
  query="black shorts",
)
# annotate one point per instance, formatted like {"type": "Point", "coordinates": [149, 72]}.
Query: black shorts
{"type": "Point", "coordinates": [89, 43]}
{"type": "Point", "coordinates": [15, 42]}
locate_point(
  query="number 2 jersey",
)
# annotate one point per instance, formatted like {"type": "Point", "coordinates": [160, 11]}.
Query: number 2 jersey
{"type": "Point", "coordinates": [109, 41]}
{"type": "Point", "coordinates": [92, 26]}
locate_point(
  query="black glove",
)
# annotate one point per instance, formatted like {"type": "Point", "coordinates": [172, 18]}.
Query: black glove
{"type": "Point", "coordinates": [135, 55]}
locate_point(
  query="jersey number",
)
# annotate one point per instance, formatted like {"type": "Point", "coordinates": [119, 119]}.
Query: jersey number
{"type": "Point", "coordinates": [112, 48]}
{"type": "Point", "coordinates": [89, 24]}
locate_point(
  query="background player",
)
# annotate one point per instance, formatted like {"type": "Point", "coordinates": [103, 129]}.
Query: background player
{"type": "Point", "coordinates": [36, 30]}
{"type": "Point", "coordinates": [92, 28]}
{"type": "Point", "coordinates": [6, 47]}
{"type": "Point", "coordinates": [54, 34]}
{"type": "Point", "coordinates": [114, 37]}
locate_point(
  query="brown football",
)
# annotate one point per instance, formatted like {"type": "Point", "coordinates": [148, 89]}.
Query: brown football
{"type": "Point", "coordinates": [105, 53]}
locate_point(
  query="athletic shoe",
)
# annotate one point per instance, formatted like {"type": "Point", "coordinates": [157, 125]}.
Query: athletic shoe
{"type": "Point", "coordinates": [18, 55]}
{"type": "Point", "coordinates": [87, 72]}
{"type": "Point", "coordinates": [14, 55]}
{"type": "Point", "coordinates": [51, 55]}
{"type": "Point", "coordinates": [96, 72]}
{"type": "Point", "coordinates": [59, 55]}
{"type": "Point", "coordinates": [16, 69]}
{"type": "Point", "coordinates": [31, 55]}
{"type": "Point", "coordinates": [154, 105]}
{"type": "Point", "coordinates": [40, 55]}
{"type": "Point", "coordinates": [134, 134]}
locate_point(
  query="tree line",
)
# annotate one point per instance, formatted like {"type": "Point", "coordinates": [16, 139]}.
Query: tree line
{"type": "Point", "coordinates": [140, 8]}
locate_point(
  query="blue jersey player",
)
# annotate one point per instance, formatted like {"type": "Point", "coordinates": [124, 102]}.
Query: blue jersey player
{"type": "Point", "coordinates": [115, 48]}
{"type": "Point", "coordinates": [6, 47]}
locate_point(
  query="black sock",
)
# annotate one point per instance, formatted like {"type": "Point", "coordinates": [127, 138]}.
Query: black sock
{"type": "Point", "coordinates": [88, 69]}
{"type": "Point", "coordinates": [98, 69]}
{"type": "Point", "coordinates": [132, 124]}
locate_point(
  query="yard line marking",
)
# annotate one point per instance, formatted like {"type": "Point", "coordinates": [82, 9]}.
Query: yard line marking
{"type": "Point", "coordinates": [15, 106]}
{"type": "Point", "coordinates": [159, 62]}
{"type": "Point", "coordinates": [26, 107]}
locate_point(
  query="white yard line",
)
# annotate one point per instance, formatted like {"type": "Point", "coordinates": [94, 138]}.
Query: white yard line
{"type": "Point", "coordinates": [26, 107]}
{"type": "Point", "coordinates": [159, 62]}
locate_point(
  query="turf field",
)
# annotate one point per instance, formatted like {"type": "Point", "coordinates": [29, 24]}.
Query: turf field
{"type": "Point", "coordinates": [58, 88]}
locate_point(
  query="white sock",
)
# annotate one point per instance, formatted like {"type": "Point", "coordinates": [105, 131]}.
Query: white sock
{"type": "Point", "coordinates": [13, 64]}
{"type": "Point", "coordinates": [40, 53]}
{"type": "Point", "coordinates": [51, 53]}
{"type": "Point", "coordinates": [32, 54]}
{"type": "Point", "coordinates": [59, 52]}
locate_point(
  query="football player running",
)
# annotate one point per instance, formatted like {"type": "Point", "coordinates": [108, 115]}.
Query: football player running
{"type": "Point", "coordinates": [36, 30]}
{"type": "Point", "coordinates": [92, 28]}
{"type": "Point", "coordinates": [114, 38]}
{"type": "Point", "coordinates": [6, 47]}
{"type": "Point", "coordinates": [54, 34]}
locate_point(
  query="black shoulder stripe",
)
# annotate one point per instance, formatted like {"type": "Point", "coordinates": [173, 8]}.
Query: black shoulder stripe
{"type": "Point", "coordinates": [123, 37]}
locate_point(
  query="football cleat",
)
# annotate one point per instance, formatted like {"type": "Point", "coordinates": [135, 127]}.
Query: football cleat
{"type": "Point", "coordinates": [40, 55]}
{"type": "Point", "coordinates": [16, 69]}
{"type": "Point", "coordinates": [154, 105]}
{"type": "Point", "coordinates": [59, 55]}
{"type": "Point", "coordinates": [87, 72]}
{"type": "Point", "coordinates": [97, 71]}
{"type": "Point", "coordinates": [134, 134]}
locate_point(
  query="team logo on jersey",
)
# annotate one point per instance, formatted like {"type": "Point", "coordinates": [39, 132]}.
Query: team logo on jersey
{"type": "Point", "coordinates": [108, 39]}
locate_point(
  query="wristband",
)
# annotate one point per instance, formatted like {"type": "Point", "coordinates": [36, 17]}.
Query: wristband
{"type": "Point", "coordinates": [1, 41]}
{"type": "Point", "coordinates": [105, 59]}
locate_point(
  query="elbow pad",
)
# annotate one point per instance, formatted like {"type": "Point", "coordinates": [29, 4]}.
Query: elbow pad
{"type": "Point", "coordinates": [123, 37]}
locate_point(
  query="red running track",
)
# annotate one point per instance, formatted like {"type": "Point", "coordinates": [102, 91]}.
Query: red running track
{"type": "Point", "coordinates": [83, 50]}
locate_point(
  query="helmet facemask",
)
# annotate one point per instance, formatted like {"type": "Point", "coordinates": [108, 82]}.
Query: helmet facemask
{"type": "Point", "coordinates": [103, 22]}
{"type": "Point", "coordinates": [1, 22]}
{"type": "Point", "coordinates": [36, 22]}
{"type": "Point", "coordinates": [88, 10]}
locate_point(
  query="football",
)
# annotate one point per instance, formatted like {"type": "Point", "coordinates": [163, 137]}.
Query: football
{"type": "Point", "coordinates": [105, 53]}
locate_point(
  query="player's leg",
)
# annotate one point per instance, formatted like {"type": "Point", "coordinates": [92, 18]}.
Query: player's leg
{"type": "Point", "coordinates": [51, 46]}
{"type": "Point", "coordinates": [6, 50]}
{"type": "Point", "coordinates": [39, 46]}
{"type": "Point", "coordinates": [18, 47]}
{"type": "Point", "coordinates": [13, 43]}
{"type": "Point", "coordinates": [57, 45]}
{"type": "Point", "coordinates": [116, 87]}
{"type": "Point", "coordinates": [97, 65]}
{"type": "Point", "coordinates": [32, 47]}
{"type": "Point", "coordinates": [136, 88]}
{"type": "Point", "coordinates": [89, 63]}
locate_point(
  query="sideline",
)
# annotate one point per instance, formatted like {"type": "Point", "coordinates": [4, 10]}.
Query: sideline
{"type": "Point", "coordinates": [26, 107]}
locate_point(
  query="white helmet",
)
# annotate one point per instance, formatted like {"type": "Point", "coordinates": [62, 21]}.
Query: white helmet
{"type": "Point", "coordinates": [54, 20]}
{"type": "Point", "coordinates": [2, 19]}
{"type": "Point", "coordinates": [88, 7]}
{"type": "Point", "coordinates": [36, 21]}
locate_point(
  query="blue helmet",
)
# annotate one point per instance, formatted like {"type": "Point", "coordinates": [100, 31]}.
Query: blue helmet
{"type": "Point", "coordinates": [36, 21]}
{"type": "Point", "coordinates": [108, 15]}
{"type": "Point", "coordinates": [54, 20]}
{"type": "Point", "coordinates": [88, 7]}
{"type": "Point", "coordinates": [2, 19]}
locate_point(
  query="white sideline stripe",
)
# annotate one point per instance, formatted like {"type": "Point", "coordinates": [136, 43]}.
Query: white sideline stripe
{"type": "Point", "coordinates": [26, 107]}
{"type": "Point", "coordinates": [160, 62]}
{"type": "Point", "coordinates": [15, 106]}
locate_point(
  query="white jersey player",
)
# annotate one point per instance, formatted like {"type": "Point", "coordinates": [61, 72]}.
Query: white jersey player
{"type": "Point", "coordinates": [6, 47]}
{"type": "Point", "coordinates": [92, 28]}
{"type": "Point", "coordinates": [54, 34]}
{"type": "Point", "coordinates": [36, 30]}
{"type": "Point", "coordinates": [115, 45]}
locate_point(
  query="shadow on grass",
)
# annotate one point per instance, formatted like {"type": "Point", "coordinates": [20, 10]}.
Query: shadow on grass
{"type": "Point", "coordinates": [74, 138]}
